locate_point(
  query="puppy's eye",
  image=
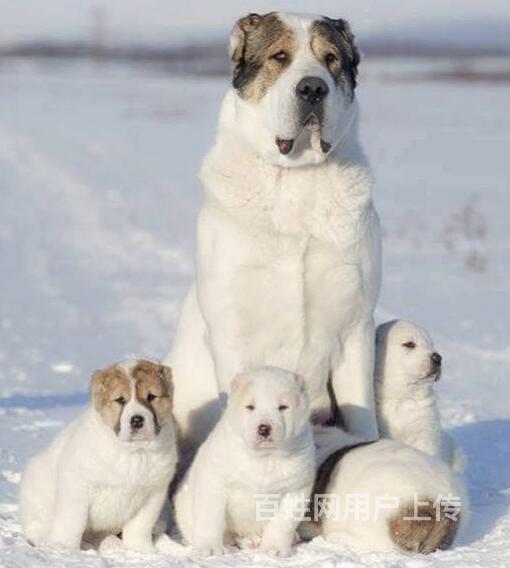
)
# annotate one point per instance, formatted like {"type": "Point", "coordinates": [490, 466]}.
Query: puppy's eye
{"type": "Point", "coordinates": [330, 59]}
{"type": "Point", "coordinates": [151, 397]}
{"type": "Point", "coordinates": [409, 345]}
{"type": "Point", "coordinates": [282, 407]}
{"type": "Point", "coordinates": [281, 56]}
{"type": "Point", "coordinates": [250, 407]}
{"type": "Point", "coordinates": [121, 400]}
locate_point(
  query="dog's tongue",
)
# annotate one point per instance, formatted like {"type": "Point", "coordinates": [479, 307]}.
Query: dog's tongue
{"type": "Point", "coordinates": [285, 146]}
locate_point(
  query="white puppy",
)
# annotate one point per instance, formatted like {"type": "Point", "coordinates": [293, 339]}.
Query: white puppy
{"type": "Point", "coordinates": [384, 496]}
{"type": "Point", "coordinates": [262, 448]}
{"type": "Point", "coordinates": [108, 471]}
{"type": "Point", "coordinates": [406, 368]}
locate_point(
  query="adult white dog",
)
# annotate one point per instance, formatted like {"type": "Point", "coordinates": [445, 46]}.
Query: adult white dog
{"type": "Point", "coordinates": [261, 449]}
{"type": "Point", "coordinates": [107, 472]}
{"type": "Point", "coordinates": [406, 369]}
{"type": "Point", "coordinates": [384, 496]}
{"type": "Point", "coordinates": [288, 252]}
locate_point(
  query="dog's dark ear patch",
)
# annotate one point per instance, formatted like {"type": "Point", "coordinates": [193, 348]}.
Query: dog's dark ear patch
{"type": "Point", "coordinates": [239, 33]}
{"type": "Point", "coordinates": [338, 33]}
{"type": "Point", "coordinates": [252, 39]}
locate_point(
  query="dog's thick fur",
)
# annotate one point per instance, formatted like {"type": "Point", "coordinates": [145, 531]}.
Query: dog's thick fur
{"type": "Point", "coordinates": [399, 475]}
{"type": "Point", "coordinates": [288, 255]}
{"type": "Point", "coordinates": [101, 476]}
{"type": "Point", "coordinates": [406, 369]}
{"type": "Point", "coordinates": [216, 505]}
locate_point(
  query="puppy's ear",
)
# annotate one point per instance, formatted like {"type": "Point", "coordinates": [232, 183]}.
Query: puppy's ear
{"type": "Point", "coordinates": [239, 34]}
{"type": "Point", "coordinates": [166, 375]}
{"type": "Point", "coordinates": [238, 382]}
{"type": "Point", "coordinates": [98, 384]}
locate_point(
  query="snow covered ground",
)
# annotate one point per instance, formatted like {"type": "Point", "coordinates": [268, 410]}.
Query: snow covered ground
{"type": "Point", "coordinates": [98, 198]}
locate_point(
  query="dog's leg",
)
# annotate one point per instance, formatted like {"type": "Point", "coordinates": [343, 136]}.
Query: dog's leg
{"type": "Point", "coordinates": [137, 532]}
{"type": "Point", "coordinates": [280, 533]}
{"type": "Point", "coordinates": [353, 381]}
{"type": "Point", "coordinates": [71, 509]}
{"type": "Point", "coordinates": [209, 503]}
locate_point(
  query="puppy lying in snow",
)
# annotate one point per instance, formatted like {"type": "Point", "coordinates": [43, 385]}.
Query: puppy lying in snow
{"type": "Point", "coordinates": [262, 446]}
{"type": "Point", "coordinates": [406, 369]}
{"type": "Point", "coordinates": [107, 472]}
{"type": "Point", "coordinates": [384, 496]}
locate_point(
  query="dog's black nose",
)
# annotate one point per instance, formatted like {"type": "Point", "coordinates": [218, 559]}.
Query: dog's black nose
{"type": "Point", "coordinates": [137, 421]}
{"type": "Point", "coordinates": [436, 359]}
{"type": "Point", "coordinates": [312, 90]}
{"type": "Point", "coordinates": [264, 430]}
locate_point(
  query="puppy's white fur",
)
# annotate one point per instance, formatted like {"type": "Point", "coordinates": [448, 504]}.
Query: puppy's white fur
{"type": "Point", "coordinates": [386, 470]}
{"type": "Point", "coordinates": [93, 483]}
{"type": "Point", "coordinates": [288, 255]}
{"type": "Point", "coordinates": [405, 398]}
{"type": "Point", "coordinates": [216, 503]}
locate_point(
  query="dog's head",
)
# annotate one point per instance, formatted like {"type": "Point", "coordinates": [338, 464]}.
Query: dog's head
{"type": "Point", "coordinates": [134, 398]}
{"type": "Point", "coordinates": [405, 355]}
{"type": "Point", "coordinates": [294, 77]}
{"type": "Point", "coordinates": [269, 408]}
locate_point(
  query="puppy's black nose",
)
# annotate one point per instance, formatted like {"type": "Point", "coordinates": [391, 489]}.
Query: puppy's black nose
{"type": "Point", "coordinates": [436, 359]}
{"type": "Point", "coordinates": [264, 430]}
{"type": "Point", "coordinates": [312, 90]}
{"type": "Point", "coordinates": [137, 421]}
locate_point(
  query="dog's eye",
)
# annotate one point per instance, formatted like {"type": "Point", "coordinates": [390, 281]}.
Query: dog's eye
{"type": "Point", "coordinates": [151, 397]}
{"type": "Point", "coordinates": [281, 56]}
{"type": "Point", "coordinates": [121, 400]}
{"type": "Point", "coordinates": [330, 59]}
{"type": "Point", "coordinates": [283, 407]}
{"type": "Point", "coordinates": [409, 345]}
{"type": "Point", "coordinates": [250, 407]}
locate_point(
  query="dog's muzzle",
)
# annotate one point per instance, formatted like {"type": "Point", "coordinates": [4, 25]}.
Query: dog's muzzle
{"type": "Point", "coordinates": [311, 93]}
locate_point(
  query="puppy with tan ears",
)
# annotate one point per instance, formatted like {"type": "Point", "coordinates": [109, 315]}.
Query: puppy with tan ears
{"type": "Point", "coordinates": [406, 368]}
{"type": "Point", "coordinates": [107, 472]}
{"type": "Point", "coordinates": [260, 454]}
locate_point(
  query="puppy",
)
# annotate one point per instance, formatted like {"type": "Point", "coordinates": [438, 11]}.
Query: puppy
{"type": "Point", "coordinates": [262, 447]}
{"type": "Point", "coordinates": [107, 472]}
{"type": "Point", "coordinates": [383, 496]}
{"type": "Point", "coordinates": [406, 368]}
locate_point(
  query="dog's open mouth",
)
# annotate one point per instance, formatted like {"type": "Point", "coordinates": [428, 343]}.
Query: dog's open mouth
{"type": "Point", "coordinates": [311, 124]}
{"type": "Point", "coordinates": [285, 146]}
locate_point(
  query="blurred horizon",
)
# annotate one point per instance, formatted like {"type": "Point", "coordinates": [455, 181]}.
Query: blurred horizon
{"type": "Point", "coordinates": [459, 24]}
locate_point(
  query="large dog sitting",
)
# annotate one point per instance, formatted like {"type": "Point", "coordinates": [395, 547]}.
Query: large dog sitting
{"type": "Point", "coordinates": [288, 252]}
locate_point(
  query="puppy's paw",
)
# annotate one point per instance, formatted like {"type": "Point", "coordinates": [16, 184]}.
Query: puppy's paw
{"type": "Point", "coordinates": [251, 542]}
{"type": "Point", "coordinates": [278, 547]}
{"type": "Point", "coordinates": [109, 544]}
{"type": "Point", "coordinates": [166, 545]}
{"type": "Point", "coordinates": [209, 549]}
{"type": "Point", "coordinates": [138, 545]}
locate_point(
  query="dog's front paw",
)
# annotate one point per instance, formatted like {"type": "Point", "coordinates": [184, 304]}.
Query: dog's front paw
{"type": "Point", "coordinates": [110, 543]}
{"type": "Point", "coordinates": [209, 549]}
{"type": "Point", "coordinates": [251, 542]}
{"type": "Point", "coordinates": [280, 548]}
{"type": "Point", "coordinates": [138, 545]}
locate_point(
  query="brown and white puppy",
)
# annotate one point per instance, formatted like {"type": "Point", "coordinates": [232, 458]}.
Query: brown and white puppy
{"type": "Point", "coordinates": [107, 472]}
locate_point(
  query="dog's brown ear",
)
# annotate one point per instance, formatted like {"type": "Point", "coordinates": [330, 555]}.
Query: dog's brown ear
{"type": "Point", "coordinates": [240, 380]}
{"type": "Point", "coordinates": [98, 383]}
{"type": "Point", "coordinates": [238, 35]}
{"type": "Point", "coordinates": [167, 377]}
